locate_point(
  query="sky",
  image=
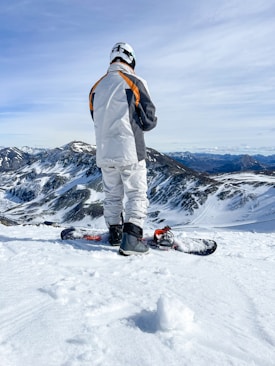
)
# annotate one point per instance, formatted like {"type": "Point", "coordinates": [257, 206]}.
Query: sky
{"type": "Point", "coordinates": [209, 65]}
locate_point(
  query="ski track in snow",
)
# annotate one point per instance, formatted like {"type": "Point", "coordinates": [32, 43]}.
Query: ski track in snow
{"type": "Point", "coordinates": [62, 305]}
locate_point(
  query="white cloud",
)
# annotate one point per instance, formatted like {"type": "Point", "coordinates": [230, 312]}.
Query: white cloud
{"type": "Point", "coordinates": [204, 62]}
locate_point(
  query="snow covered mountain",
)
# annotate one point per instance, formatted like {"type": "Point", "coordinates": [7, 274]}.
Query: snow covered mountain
{"type": "Point", "coordinates": [63, 185]}
{"type": "Point", "coordinates": [226, 163]}
{"type": "Point", "coordinates": [11, 159]}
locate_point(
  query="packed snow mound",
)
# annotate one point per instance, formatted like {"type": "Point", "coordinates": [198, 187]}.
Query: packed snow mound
{"type": "Point", "coordinates": [172, 314]}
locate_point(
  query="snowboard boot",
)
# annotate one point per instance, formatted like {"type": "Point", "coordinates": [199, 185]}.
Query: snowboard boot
{"type": "Point", "coordinates": [132, 240]}
{"type": "Point", "coordinates": [115, 234]}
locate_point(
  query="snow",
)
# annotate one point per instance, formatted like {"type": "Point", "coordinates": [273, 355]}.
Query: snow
{"type": "Point", "coordinates": [65, 306]}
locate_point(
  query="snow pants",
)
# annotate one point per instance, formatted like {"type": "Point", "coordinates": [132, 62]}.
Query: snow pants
{"type": "Point", "coordinates": [125, 191]}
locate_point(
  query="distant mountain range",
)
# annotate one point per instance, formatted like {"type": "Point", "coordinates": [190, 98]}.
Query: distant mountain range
{"type": "Point", "coordinates": [216, 163]}
{"type": "Point", "coordinates": [63, 185]}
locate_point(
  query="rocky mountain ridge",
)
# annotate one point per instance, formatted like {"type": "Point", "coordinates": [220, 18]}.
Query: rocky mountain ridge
{"type": "Point", "coordinates": [227, 163]}
{"type": "Point", "coordinates": [64, 185]}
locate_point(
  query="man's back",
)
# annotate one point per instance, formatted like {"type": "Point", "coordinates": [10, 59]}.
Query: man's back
{"type": "Point", "coordinates": [115, 100]}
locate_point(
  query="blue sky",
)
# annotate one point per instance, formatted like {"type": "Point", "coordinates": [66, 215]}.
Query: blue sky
{"type": "Point", "coordinates": [210, 67]}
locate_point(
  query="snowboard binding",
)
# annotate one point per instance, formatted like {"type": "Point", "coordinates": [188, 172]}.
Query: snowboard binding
{"type": "Point", "coordinates": [164, 237]}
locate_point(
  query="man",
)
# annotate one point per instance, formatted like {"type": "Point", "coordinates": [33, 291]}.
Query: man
{"type": "Point", "coordinates": [122, 110]}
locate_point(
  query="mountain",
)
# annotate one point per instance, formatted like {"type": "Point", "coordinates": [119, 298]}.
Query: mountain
{"type": "Point", "coordinates": [51, 181]}
{"type": "Point", "coordinates": [12, 159]}
{"type": "Point", "coordinates": [63, 185]}
{"type": "Point", "coordinates": [216, 163]}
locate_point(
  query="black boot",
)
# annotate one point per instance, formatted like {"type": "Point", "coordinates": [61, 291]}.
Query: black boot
{"type": "Point", "coordinates": [115, 234]}
{"type": "Point", "coordinates": [132, 240]}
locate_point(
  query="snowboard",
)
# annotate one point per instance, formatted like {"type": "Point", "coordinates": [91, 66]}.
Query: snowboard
{"type": "Point", "coordinates": [188, 245]}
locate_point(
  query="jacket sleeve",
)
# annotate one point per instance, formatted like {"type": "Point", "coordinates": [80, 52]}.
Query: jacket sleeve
{"type": "Point", "coordinates": [146, 109]}
{"type": "Point", "coordinates": [92, 94]}
{"type": "Point", "coordinates": [91, 100]}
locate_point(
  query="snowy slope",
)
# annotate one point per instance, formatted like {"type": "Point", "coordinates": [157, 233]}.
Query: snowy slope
{"type": "Point", "coordinates": [253, 208]}
{"type": "Point", "coordinates": [64, 185]}
{"type": "Point", "coordinates": [61, 306]}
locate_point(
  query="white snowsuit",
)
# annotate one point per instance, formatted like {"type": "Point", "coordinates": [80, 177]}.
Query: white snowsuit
{"type": "Point", "coordinates": [122, 110]}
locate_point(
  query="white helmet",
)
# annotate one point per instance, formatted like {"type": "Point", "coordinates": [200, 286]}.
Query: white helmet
{"type": "Point", "coordinates": [125, 52]}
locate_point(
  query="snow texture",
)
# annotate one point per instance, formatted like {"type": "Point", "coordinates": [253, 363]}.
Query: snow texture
{"type": "Point", "coordinates": [65, 306]}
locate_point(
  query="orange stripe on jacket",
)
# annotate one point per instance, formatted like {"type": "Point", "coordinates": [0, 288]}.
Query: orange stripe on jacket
{"type": "Point", "coordinates": [92, 91]}
{"type": "Point", "coordinates": [133, 87]}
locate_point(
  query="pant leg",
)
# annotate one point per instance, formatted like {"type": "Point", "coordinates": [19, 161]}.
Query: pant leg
{"type": "Point", "coordinates": [134, 179]}
{"type": "Point", "coordinates": [114, 192]}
